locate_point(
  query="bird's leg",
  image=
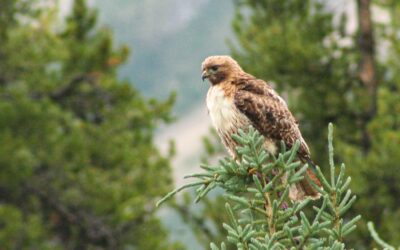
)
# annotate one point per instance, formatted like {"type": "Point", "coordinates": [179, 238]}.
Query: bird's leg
{"type": "Point", "coordinates": [252, 171]}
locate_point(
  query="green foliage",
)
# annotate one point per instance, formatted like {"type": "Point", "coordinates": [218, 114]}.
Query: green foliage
{"type": "Point", "coordinates": [261, 216]}
{"type": "Point", "coordinates": [315, 60]}
{"type": "Point", "coordinates": [19, 230]}
{"type": "Point", "coordinates": [77, 160]}
{"type": "Point", "coordinates": [376, 237]}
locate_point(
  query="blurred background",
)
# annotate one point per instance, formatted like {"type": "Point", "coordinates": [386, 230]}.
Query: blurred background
{"type": "Point", "coordinates": [102, 111]}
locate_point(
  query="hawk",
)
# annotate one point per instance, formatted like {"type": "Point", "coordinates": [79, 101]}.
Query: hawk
{"type": "Point", "coordinates": [236, 100]}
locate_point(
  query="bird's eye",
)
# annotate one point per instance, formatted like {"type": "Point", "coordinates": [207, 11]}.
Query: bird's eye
{"type": "Point", "coordinates": [214, 68]}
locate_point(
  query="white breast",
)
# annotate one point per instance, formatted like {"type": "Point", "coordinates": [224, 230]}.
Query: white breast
{"type": "Point", "coordinates": [222, 110]}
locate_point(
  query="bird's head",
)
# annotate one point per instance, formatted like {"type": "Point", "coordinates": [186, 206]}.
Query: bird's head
{"type": "Point", "coordinates": [219, 68]}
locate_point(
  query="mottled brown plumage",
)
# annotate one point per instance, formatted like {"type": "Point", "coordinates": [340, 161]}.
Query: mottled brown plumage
{"type": "Point", "coordinates": [236, 100]}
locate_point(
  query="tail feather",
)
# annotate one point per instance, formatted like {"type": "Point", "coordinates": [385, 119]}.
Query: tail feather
{"type": "Point", "coordinates": [303, 188]}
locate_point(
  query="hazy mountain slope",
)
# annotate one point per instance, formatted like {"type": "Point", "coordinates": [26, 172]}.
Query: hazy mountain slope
{"type": "Point", "coordinates": [169, 40]}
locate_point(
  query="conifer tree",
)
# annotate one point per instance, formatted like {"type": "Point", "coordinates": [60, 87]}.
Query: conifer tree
{"type": "Point", "coordinates": [331, 74]}
{"type": "Point", "coordinates": [77, 157]}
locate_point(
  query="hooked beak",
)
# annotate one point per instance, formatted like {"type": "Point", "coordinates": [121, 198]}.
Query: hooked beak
{"type": "Point", "coordinates": [204, 75]}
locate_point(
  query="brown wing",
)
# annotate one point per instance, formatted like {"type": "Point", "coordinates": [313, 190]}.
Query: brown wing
{"type": "Point", "coordinates": [269, 113]}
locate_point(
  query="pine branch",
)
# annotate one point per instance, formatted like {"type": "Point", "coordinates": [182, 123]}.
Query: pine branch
{"type": "Point", "coordinates": [257, 187]}
{"type": "Point", "coordinates": [378, 239]}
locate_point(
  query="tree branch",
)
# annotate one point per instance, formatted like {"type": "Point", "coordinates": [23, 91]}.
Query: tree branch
{"type": "Point", "coordinates": [93, 229]}
{"type": "Point", "coordinates": [71, 86]}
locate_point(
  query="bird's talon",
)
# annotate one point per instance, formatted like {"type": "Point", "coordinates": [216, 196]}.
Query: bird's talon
{"type": "Point", "coordinates": [252, 170]}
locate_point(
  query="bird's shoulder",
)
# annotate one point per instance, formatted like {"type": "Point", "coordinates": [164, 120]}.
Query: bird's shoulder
{"type": "Point", "coordinates": [249, 87]}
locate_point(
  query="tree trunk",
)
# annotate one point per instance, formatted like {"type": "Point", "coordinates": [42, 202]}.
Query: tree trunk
{"type": "Point", "coordinates": [367, 67]}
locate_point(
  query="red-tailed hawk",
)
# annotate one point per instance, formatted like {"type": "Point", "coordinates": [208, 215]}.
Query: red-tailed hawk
{"type": "Point", "coordinates": [237, 100]}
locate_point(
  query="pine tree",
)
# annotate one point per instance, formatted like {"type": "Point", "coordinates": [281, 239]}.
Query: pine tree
{"type": "Point", "coordinates": [333, 75]}
{"type": "Point", "coordinates": [77, 158]}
